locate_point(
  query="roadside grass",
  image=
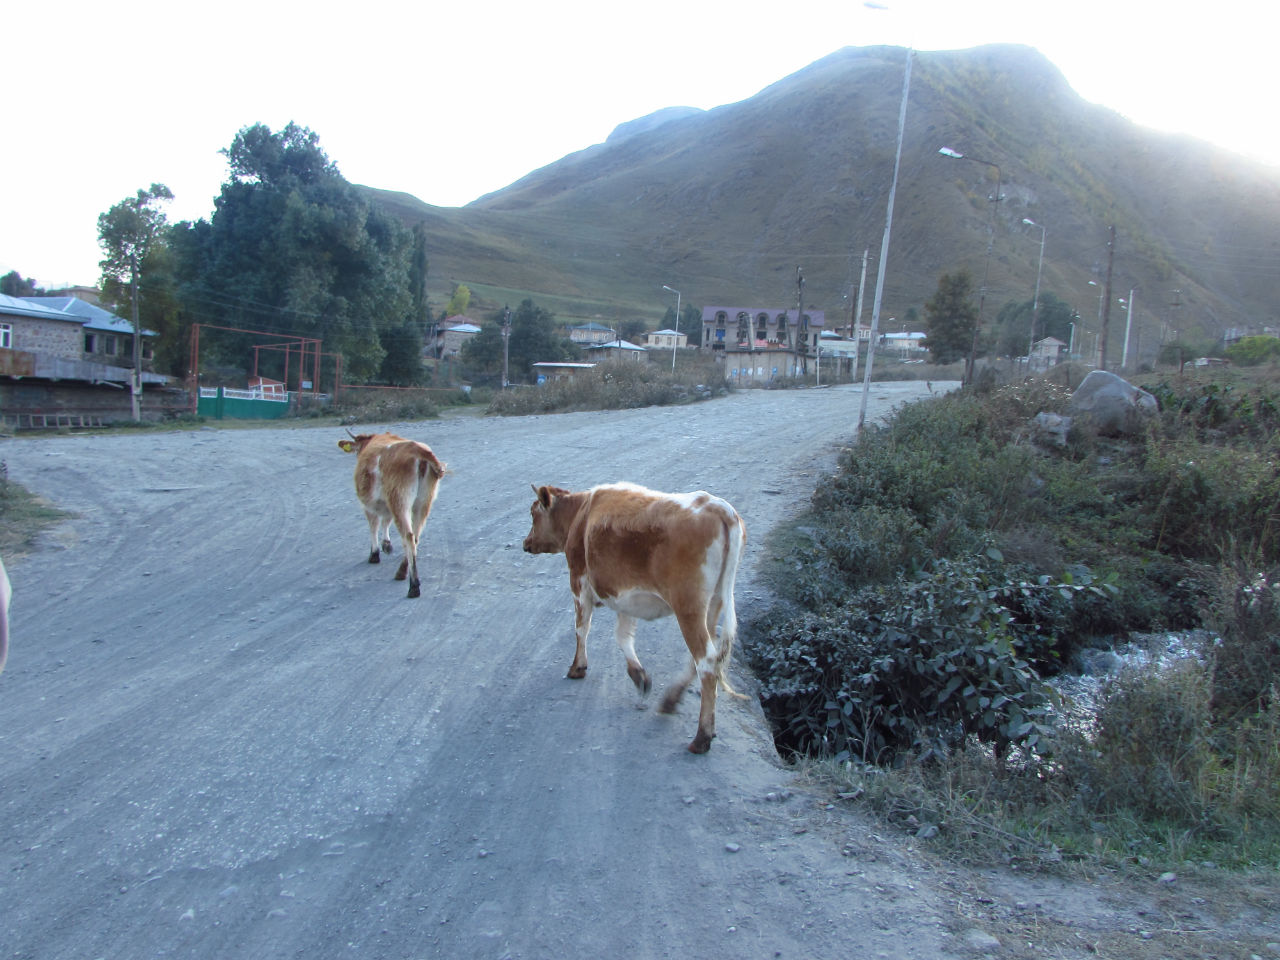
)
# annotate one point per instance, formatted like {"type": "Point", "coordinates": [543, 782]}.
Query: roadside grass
{"type": "Point", "coordinates": [617, 385]}
{"type": "Point", "coordinates": [954, 570]}
{"type": "Point", "coordinates": [22, 516]}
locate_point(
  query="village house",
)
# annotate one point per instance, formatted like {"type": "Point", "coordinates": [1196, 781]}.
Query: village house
{"type": "Point", "coordinates": [62, 357]}
{"type": "Point", "coordinates": [665, 339]}
{"type": "Point", "coordinates": [451, 334]}
{"type": "Point", "coordinates": [588, 333]}
{"type": "Point", "coordinates": [1047, 353]}
{"type": "Point", "coordinates": [548, 371]}
{"type": "Point", "coordinates": [759, 344]}
{"type": "Point", "coordinates": [616, 350]}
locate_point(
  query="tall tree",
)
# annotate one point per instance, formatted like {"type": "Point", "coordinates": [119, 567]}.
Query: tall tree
{"type": "Point", "coordinates": [12, 284]}
{"type": "Point", "coordinates": [1012, 329]}
{"type": "Point", "coordinates": [690, 323]}
{"type": "Point", "coordinates": [534, 338]}
{"type": "Point", "coordinates": [128, 233]}
{"type": "Point", "coordinates": [293, 249]}
{"type": "Point", "coordinates": [951, 318]}
{"type": "Point", "coordinates": [459, 302]}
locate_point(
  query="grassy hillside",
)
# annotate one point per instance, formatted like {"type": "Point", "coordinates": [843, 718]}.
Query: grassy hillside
{"type": "Point", "coordinates": [725, 204]}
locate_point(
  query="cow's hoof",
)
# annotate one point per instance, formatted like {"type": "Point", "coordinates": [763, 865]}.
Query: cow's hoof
{"type": "Point", "coordinates": [640, 677]}
{"type": "Point", "coordinates": [386, 546]}
{"type": "Point", "coordinates": [701, 743]}
{"type": "Point", "coordinates": [415, 590]}
{"type": "Point", "coordinates": [670, 701]}
{"type": "Point", "coordinates": [403, 571]}
{"type": "Point", "coordinates": [374, 558]}
{"type": "Point", "coordinates": [576, 673]}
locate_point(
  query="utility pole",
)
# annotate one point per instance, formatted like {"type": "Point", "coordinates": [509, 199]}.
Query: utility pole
{"type": "Point", "coordinates": [506, 342]}
{"type": "Point", "coordinates": [857, 316]}
{"type": "Point", "coordinates": [135, 387]}
{"type": "Point", "coordinates": [802, 334]}
{"type": "Point", "coordinates": [1106, 310]}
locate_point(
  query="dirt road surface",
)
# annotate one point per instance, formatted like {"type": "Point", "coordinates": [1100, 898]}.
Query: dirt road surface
{"type": "Point", "coordinates": [224, 734]}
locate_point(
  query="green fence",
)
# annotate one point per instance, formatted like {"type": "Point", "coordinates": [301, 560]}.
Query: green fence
{"type": "Point", "coordinates": [225, 403]}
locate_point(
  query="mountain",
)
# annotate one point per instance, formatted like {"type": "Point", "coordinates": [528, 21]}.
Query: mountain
{"type": "Point", "coordinates": [725, 204]}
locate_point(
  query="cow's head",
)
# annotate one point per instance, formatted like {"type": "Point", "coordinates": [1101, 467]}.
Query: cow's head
{"type": "Point", "coordinates": [545, 535]}
{"type": "Point", "coordinates": [356, 443]}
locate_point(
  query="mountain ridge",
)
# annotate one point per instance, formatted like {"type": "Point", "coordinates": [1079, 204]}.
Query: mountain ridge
{"type": "Point", "coordinates": [724, 204]}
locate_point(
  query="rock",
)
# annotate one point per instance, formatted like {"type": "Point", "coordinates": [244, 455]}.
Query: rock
{"type": "Point", "coordinates": [1054, 427]}
{"type": "Point", "coordinates": [1112, 405]}
{"type": "Point", "coordinates": [980, 939]}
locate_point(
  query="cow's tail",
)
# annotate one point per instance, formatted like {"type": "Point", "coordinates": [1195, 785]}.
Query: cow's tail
{"type": "Point", "coordinates": [735, 538]}
{"type": "Point", "coordinates": [429, 462]}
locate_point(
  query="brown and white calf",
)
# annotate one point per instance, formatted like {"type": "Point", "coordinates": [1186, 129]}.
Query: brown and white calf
{"type": "Point", "coordinates": [396, 481]}
{"type": "Point", "coordinates": [647, 555]}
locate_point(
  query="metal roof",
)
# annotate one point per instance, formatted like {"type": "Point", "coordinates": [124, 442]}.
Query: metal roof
{"type": "Point", "coordinates": [19, 307]}
{"type": "Point", "coordinates": [93, 317]}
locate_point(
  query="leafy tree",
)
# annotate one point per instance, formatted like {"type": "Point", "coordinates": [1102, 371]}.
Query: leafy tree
{"type": "Point", "coordinates": [1252, 351]}
{"type": "Point", "coordinates": [402, 365]}
{"type": "Point", "coordinates": [293, 249]}
{"type": "Point", "coordinates": [633, 330]}
{"type": "Point", "coordinates": [12, 284]}
{"type": "Point", "coordinates": [690, 323]}
{"type": "Point", "coordinates": [534, 338]}
{"type": "Point", "coordinates": [1012, 334]}
{"type": "Point", "coordinates": [951, 318]}
{"type": "Point", "coordinates": [128, 233]}
{"type": "Point", "coordinates": [459, 302]}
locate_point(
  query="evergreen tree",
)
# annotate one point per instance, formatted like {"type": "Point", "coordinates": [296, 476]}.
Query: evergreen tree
{"type": "Point", "coordinates": [951, 318]}
{"type": "Point", "coordinates": [12, 284]}
{"type": "Point", "coordinates": [293, 249]}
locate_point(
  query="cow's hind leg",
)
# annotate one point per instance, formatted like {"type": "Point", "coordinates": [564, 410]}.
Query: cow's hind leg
{"type": "Point", "coordinates": [626, 637]}
{"type": "Point", "coordinates": [375, 528]}
{"type": "Point", "coordinates": [705, 657]}
{"type": "Point", "coordinates": [409, 565]}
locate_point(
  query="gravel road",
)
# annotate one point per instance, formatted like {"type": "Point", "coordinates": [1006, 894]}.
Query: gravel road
{"type": "Point", "coordinates": [224, 734]}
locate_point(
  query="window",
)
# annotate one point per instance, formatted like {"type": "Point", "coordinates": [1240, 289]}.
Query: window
{"type": "Point", "coordinates": [109, 346]}
{"type": "Point", "coordinates": [90, 342]}
{"type": "Point", "coordinates": [6, 335]}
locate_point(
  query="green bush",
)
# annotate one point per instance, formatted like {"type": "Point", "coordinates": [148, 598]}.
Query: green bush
{"type": "Point", "coordinates": [916, 668]}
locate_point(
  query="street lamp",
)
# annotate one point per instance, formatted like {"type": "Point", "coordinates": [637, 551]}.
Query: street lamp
{"type": "Point", "coordinates": [675, 339]}
{"type": "Point", "coordinates": [1035, 303]}
{"type": "Point", "coordinates": [1128, 325]}
{"type": "Point", "coordinates": [982, 294]}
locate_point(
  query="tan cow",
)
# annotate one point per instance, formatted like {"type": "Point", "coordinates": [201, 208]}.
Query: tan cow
{"type": "Point", "coordinates": [648, 555]}
{"type": "Point", "coordinates": [396, 481]}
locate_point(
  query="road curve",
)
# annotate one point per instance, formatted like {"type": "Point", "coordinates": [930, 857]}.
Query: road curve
{"type": "Point", "coordinates": [224, 734]}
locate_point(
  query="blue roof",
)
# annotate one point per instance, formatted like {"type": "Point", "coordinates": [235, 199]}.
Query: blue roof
{"type": "Point", "coordinates": [93, 317]}
{"type": "Point", "coordinates": [20, 307]}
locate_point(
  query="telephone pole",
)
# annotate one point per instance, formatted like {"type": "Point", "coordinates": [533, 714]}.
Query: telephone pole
{"type": "Point", "coordinates": [1106, 310]}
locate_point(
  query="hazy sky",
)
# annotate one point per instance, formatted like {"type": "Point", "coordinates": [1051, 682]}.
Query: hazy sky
{"type": "Point", "coordinates": [449, 101]}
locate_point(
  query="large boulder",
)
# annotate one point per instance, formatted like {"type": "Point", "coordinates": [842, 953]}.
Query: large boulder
{"type": "Point", "coordinates": [1114, 406]}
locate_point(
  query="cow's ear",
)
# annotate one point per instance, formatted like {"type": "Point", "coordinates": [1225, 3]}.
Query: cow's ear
{"type": "Point", "coordinates": [544, 497]}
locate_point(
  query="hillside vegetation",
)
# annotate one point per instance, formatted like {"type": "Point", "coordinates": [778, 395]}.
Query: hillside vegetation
{"type": "Point", "coordinates": [953, 571]}
{"type": "Point", "coordinates": [724, 204]}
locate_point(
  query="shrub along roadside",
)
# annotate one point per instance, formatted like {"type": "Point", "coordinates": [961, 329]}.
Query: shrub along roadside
{"type": "Point", "coordinates": [617, 385]}
{"type": "Point", "coordinates": [952, 566]}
